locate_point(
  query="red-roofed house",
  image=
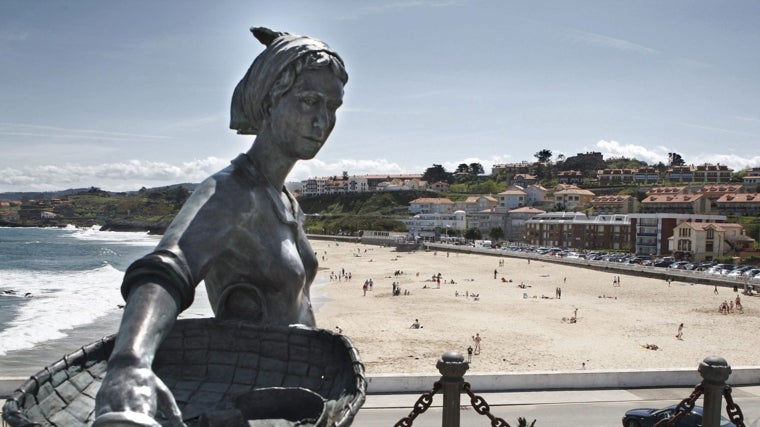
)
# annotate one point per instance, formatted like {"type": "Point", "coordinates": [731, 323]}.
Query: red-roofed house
{"type": "Point", "coordinates": [615, 204]}
{"type": "Point", "coordinates": [700, 241]}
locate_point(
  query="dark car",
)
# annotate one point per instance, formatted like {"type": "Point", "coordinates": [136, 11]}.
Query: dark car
{"type": "Point", "coordinates": [648, 417]}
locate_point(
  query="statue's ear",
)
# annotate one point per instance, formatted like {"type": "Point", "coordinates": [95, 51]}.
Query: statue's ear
{"type": "Point", "coordinates": [265, 35]}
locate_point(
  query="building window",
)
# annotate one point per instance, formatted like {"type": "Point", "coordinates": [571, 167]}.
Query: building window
{"type": "Point", "coordinates": [710, 233]}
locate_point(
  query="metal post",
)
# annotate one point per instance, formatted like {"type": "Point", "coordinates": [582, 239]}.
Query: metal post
{"type": "Point", "coordinates": [452, 368]}
{"type": "Point", "coordinates": [715, 371]}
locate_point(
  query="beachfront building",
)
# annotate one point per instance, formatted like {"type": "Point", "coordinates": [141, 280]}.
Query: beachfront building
{"type": "Point", "coordinates": [431, 205]}
{"type": "Point", "coordinates": [614, 205]}
{"type": "Point", "coordinates": [578, 231]}
{"type": "Point", "coordinates": [572, 198]}
{"type": "Point", "coordinates": [684, 203]}
{"type": "Point", "coordinates": [475, 204]}
{"type": "Point", "coordinates": [752, 180]}
{"type": "Point", "coordinates": [514, 229]}
{"type": "Point", "coordinates": [361, 183]}
{"type": "Point", "coordinates": [512, 197]}
{"type": "Point", "coordinates": [487, 220]}
{"type": "Point", "coordinates": [535, 194]}
{"type": "Point", "coordinates": [699, 241]}
{"type": "Point", "coordinates": [741, 204]}
{"type": "Point", "coordinates": [431, 225]}
{"type": "Point", "coordinates": [643, 234]}
{"type": "Point", "coordinates": [652, 231]}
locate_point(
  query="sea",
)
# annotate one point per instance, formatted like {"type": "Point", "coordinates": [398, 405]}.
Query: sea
{"type": "Point", "coordinates": [60, 290]}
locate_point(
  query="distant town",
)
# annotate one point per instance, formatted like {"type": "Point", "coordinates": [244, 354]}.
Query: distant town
{"type": "Point", "coordinates": [693, 212]}
{"type": "Point", "coordinates": [584, 202]}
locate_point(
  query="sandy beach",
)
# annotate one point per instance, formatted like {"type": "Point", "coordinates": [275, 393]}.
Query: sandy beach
{"type": "Point", "coordinates": [522, 329]}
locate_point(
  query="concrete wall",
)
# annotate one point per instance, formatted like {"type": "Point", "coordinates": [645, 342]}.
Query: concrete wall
{"type": "Point", "coordinates": [568, 380]}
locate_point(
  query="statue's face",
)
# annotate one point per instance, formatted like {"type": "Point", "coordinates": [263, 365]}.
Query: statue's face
{"type": "Point", "coordinates": [303, 118]}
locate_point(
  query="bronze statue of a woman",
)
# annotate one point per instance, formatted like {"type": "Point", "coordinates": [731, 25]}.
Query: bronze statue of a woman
{"type": "Point", "coordinates": [241, 231]}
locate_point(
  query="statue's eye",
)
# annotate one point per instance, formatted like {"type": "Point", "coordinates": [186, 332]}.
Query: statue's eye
{"type": "Point", "coordinates": [309, 100]}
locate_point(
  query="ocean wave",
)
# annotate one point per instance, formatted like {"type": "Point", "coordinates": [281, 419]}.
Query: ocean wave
{"type": "Point", "coordinates": [58, 301]}
{"type": "Point", "coordinates": [130, 238]}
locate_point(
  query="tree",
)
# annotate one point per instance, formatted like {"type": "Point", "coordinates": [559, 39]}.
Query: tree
{"type": "Point", "coordinates": [476, 169]}
{"type": "Point", "coordinates": [436, 173]}
{"type": "Point", "coordinates": [473, 234]}
{"type": "Point", "coordinates": [543, 156]}
{"type": "Point", "coordinates": [675, 159]}
{"type": "Point", "coordinates": [462, 168]}
{"type": "Point", "coordinates": [496, 233]}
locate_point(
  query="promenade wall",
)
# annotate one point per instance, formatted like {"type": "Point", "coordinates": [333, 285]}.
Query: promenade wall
{"type": "Point", "coordinates": [569, 380]}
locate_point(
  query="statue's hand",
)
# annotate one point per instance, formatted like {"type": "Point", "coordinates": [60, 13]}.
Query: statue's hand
{"type": "Point", "coordinates": [130, 396]}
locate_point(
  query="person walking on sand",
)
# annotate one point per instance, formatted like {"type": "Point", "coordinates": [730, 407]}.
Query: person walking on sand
{"type": "Point", "coordinates": [469, 354]}
{"type": "Point", "coordinates": [679, 334]}
{"type": "Point", "coordinates": [477, 340]}
{"type": "Point", "coordinates": [716, 290]}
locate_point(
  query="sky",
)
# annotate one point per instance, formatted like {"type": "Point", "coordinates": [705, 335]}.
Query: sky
{"type": "Point", "coordinates": [129, 94]}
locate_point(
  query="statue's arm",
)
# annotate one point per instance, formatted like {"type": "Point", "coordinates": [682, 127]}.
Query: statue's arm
{"type": "Point", "coordinates": [130, 390]}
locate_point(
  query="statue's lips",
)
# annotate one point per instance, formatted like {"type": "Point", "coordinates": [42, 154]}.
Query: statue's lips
{"type": "Point", "coordinates": [315, 139]}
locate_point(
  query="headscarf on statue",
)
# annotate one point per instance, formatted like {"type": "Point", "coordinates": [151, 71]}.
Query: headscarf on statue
{"type": "Point", "coordinates": [248, 100]}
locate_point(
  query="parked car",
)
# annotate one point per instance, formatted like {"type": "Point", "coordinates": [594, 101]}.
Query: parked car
{"type": "Point", "coordinates": [663, 262]}
{"type": "Point", "coordinates": [648, 417]}
{"type": "Point", "coordinates": [679, 265]}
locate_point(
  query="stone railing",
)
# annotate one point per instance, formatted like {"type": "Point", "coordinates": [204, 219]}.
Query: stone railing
{"type": "Point", "coordinates": [452, 366]}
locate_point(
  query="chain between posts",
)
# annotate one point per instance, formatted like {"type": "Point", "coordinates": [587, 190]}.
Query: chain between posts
{"type": "Point", "coordinates": [733, 410]}
{"type": "Point", "coordinates": [481, 407]}
{"type": "Point", "coordinates": [422, 405]}
{"type": "Point", "coordinates": [683, 408]}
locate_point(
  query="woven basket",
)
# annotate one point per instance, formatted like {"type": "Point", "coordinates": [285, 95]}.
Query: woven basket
{"type": "Point", "coordinates": [311, 377]}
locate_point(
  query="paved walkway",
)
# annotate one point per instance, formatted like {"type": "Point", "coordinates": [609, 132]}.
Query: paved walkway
{"type": "Point", "coordinates": [406, 401]}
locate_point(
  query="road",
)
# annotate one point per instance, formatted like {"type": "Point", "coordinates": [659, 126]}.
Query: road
{"type": "Point", "coordinates": [598, 413]}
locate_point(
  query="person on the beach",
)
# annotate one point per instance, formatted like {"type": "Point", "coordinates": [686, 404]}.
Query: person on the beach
{"type": "Point", "coordinates": [716, 290]}
{"type": "Point", "coordinates": [416, 324]}
{"type": "Point", "coordinates": [469, 353]}
{"type": "Point", "coordinates": [477, 340]}
{"type": "Point", "coordinates": [240, 232]}
{"type": "Point", "coordinates": [679, 333]}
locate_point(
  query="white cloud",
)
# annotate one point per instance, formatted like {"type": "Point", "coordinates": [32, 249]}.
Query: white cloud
{"type": "Point", "coordinates": [632, 151]}
{"type": "Point", "coordinates": [736, 162]}
{"type": "Point", "coordinates": [120, 176]}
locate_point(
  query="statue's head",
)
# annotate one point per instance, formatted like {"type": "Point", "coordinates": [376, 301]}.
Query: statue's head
{"type": "Point", "coordinates": [274, 72]}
